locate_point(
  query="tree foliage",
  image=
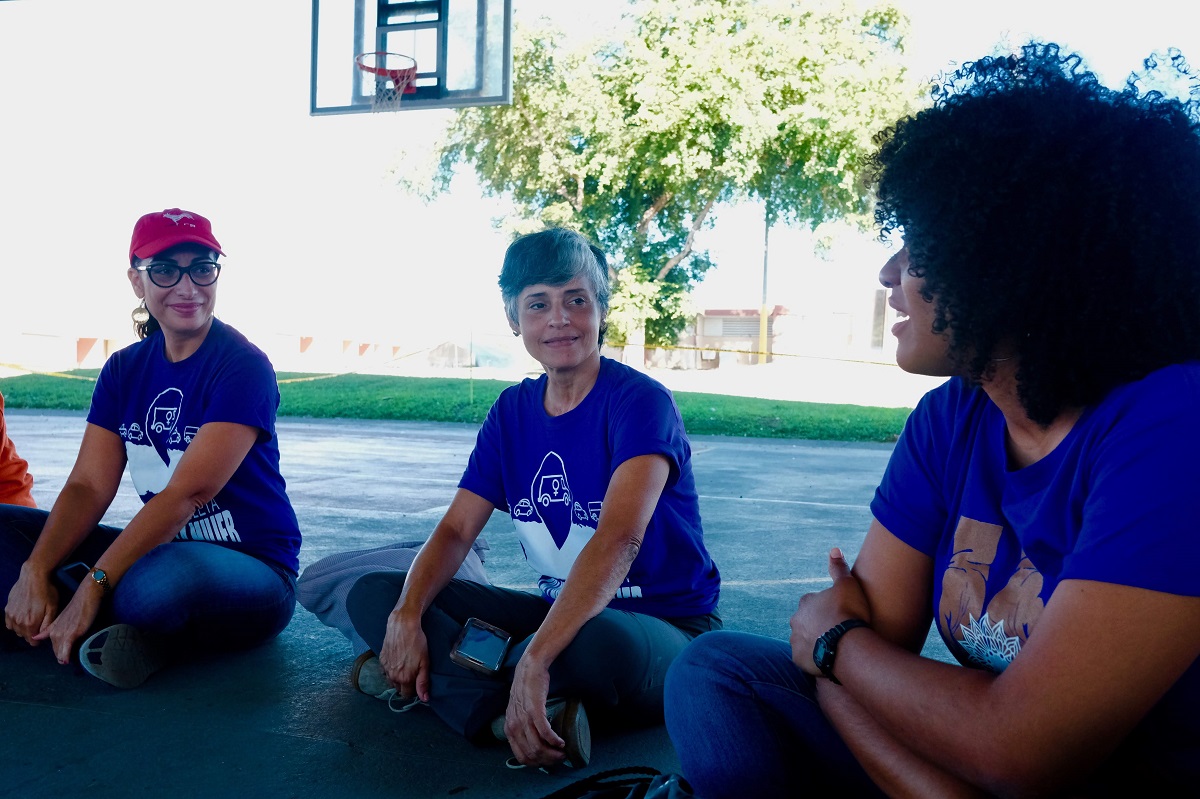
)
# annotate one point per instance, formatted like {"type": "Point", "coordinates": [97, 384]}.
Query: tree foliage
{"type": "Point", "coordinates": [634, 142]}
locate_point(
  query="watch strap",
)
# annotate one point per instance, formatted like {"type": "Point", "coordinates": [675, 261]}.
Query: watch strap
{"type": "Point", "coordinates": [830, 639]}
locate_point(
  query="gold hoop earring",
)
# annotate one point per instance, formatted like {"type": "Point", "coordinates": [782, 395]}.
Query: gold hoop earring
{"type": "Point", "coordinates": [141, 314]}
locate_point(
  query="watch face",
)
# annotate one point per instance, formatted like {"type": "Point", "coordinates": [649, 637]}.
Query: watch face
{"type": "Point", "coordinates": [821, 654]}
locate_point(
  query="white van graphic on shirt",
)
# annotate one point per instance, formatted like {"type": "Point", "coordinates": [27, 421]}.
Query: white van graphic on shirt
{"type": "Point", "coordinates": [554, 524]}
{"type": "Point", "coordinates": [154, 446]}
{"type": "Point", "coordinates": [161, 418]}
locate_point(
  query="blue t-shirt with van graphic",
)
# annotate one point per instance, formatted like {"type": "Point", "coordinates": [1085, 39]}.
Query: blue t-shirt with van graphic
{"type": "Point", "coordinates": [550, 473]}
{"type": "Point", "coordinates": [157, 407]}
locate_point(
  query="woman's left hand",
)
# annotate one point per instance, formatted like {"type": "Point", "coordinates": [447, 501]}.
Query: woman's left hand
{"type": "Point", "coordinates": [528, 730]}
{"type": "Point", "coordinates": [74, 622]}
{"type": "Point", "coordinates": [820, 611]}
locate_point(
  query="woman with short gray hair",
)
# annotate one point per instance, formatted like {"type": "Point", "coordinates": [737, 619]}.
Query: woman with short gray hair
{"type": "Point", "coordinates": [554, 257]}
{"type": "Point", "coordinates": [592, 464]}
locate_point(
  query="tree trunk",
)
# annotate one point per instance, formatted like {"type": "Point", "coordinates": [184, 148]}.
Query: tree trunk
{"type": "Point", "coordinates": [676, 259]}
{"type": "Point", "coordinates": [764, 343]}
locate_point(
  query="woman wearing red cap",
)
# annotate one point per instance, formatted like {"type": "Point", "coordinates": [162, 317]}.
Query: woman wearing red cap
{"type": "Point", "coordinates": [210, 560]}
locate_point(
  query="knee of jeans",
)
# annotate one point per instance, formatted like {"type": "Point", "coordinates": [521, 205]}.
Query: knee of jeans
{"type": "Point", "coordinates": [708, 655]}
{"type": "Point", "coordinates": [147, 592]}
{"type": "Point", "coordinates": [150, 612]}
{"type": "Point", "coordinates": [684, 672]}
{"type": "Point", "coordinates": [707, 667]}
{"type": "Point", "coordinates": [705, 650]}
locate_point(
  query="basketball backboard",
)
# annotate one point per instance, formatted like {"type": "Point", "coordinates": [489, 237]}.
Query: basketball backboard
{"type": "Point", "coordinates": [463, 50]}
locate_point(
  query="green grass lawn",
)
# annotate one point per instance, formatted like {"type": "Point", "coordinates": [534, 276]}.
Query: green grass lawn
{"type": "Point", "coordinates": [355, 396]}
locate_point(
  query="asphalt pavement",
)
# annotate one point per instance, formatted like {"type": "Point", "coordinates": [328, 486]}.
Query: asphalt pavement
{"type": "Point", "coordinates": [283, 720]}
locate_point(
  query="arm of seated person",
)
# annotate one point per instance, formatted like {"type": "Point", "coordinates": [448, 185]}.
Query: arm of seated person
{"type": "Point", "coordinates": [207, 464]}
{"type": "Point", "coordinates": [1055, 712]}
{"type": "Point", "coordinates": [896, 580]}
{"type": "Point", "coordinates": [404, 656]}
{"type": "Point", "coordinates": [89, 490]}
{"type": "Point", "coordinates": [629, 502]}
{"type": "Point", "coordinates": [892, 765]}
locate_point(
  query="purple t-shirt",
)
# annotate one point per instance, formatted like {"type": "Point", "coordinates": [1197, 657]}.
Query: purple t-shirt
{"type": "Point", "coordinates": [551, 473]}
{"type": "Point", "coordinates": [157, 407]}
{"type": "Point", "coordinates": [1111, 503]}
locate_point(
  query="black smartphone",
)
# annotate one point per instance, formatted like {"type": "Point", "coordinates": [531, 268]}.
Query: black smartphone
{"type": "Point", "coordinates": [72, 574]}
{"type": "Point", "coordinates": [480, 647]}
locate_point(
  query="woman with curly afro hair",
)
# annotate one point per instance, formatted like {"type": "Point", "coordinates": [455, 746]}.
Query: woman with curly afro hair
{"type": "Point", "coordinates": [1038, 506]}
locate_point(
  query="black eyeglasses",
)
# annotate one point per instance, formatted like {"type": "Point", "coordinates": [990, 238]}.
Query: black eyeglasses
{"type": "Point", "coordinates": [166, 274]}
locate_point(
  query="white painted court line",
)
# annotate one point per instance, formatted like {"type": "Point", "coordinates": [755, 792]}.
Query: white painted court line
{"type": "Point", "coordinates": [371, 513]}
{"type": "Point", "coordinates": [784, 581]}
{"type": "Point", "coordinates": [784, 502]}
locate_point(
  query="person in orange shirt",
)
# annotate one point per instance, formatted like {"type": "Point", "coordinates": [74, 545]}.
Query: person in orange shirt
{"type": "Point", "coordinates": [15, 480]}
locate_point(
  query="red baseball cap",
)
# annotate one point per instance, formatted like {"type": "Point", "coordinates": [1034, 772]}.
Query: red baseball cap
{"type": "Point", "coordinates": [156, 232]}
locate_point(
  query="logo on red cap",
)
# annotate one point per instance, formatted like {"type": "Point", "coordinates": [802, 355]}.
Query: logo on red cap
{"type": "Point", "coordinates": [162, 230]}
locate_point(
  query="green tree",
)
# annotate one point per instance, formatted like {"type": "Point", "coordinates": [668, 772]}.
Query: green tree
{"type": "Point", "coordinates": [635, 142]}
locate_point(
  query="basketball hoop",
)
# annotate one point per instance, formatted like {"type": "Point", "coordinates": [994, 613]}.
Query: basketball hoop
{"type": "Point", "coordinates": [394, 74]}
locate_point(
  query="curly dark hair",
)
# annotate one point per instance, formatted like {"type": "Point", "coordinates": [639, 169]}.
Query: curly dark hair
{"type": "Point", "coordinates": [1054, 220]}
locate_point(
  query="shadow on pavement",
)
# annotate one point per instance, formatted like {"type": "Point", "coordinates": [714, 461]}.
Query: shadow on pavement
{"type": "Point", "coordinates": [283, 720]}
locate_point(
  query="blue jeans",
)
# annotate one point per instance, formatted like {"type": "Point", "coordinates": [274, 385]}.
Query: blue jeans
{"type": "Point", "coordinates": [745, 722]}
{"type": "Point", "coordinates": [190, 595]}
{"type": "Point", "coordinates": [617, 663]}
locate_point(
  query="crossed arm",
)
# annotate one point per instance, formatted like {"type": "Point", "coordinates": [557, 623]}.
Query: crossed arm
{"type": "Point", "coordinates": [209, 461]}
{"type": "Point", "coordinates": [1082, 681]}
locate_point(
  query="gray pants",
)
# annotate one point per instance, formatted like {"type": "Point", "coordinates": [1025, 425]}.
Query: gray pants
{"type": "Point", "coordinates": [617, 664]}
{"type": "Point", "coordinates": [324, 585]}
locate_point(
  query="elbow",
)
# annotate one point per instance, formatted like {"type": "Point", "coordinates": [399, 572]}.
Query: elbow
{"type": "Point", "coordinates": [196, 500]}
{"type": "Point", "coordinates": [630, 547]}
{"type": "Point", "coordinates": [192, 500]}
{"type": "Point", "coordinates": [617, 553]}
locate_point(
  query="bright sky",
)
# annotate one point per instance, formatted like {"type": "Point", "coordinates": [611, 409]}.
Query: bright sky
{"type": "Point", "coordinates": [118, 107]}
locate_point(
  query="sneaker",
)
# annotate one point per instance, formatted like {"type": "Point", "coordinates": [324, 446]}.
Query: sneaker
{"type": "Point", "coordinates": [568, 719]}
{"type": "Point", "coordinates": [367, 677]}
{"type": "Point", "coordinates": [121, 656]}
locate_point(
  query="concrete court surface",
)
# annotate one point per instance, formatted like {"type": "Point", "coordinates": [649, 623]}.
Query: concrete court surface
{"type": "Point", "coordinates": [283, 720]}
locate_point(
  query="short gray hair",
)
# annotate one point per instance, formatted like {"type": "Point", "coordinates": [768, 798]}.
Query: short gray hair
{"type": "Point", "coordinates": [553, 257]}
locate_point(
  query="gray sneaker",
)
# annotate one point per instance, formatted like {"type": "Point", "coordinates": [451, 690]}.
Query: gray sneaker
{"type": "Point", "coordinates": [568, 719]}
{"type": "Point", "coordinates": [121, 656]}
{"type": "Point", "coordinates": [367, 677]}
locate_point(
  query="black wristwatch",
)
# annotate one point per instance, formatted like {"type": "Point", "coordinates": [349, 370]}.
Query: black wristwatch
{"type": "Point", "coordinates": [825, 649]}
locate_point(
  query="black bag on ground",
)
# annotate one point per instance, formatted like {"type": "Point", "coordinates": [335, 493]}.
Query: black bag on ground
{"type": "Point", "coordinates": [634, 782]}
